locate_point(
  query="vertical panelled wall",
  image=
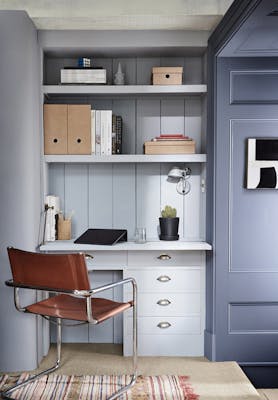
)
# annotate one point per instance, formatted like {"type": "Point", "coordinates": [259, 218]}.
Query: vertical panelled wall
{"type": "Point", "coordinates": [245, 257]}
{"type": "Point", "coordinates": [20, 179]}
{"type": "Point", "coordinates": [130, 195]}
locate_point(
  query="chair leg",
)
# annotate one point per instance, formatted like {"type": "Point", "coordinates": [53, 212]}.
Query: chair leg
{"type": "Point", "coordinates": [135, 346]}
{"type": "Point", "coordinates": [6, 393]}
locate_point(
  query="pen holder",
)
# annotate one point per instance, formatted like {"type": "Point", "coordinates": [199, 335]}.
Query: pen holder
{"type": "Point", "coordinates": [64, 228]}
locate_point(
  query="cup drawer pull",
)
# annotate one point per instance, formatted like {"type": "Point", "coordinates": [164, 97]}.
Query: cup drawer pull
{"type": "Point", "coordinates": [164, 257]}
{"type": "Point", "coordinates": [164, 278]}
{"type": "Point", "coordinates": [163, 302]}
{"type": "Point", "coordinates": [164, 325]}
{"type": "Point", "coordinates": [89, 257]}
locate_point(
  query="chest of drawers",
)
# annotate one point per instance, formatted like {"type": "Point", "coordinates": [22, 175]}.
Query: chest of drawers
{"type": "Point", "coordinates": [171, 305]}
{"type": "Point", "coordinates": [171, 296]}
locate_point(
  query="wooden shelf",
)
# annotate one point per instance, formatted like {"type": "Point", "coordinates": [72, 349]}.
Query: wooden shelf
{"type": "Point", "coordinates": [68, 245]}
{"type": "Point", "coordinates": [126, 158]}
{"type": "Point", "coordinates": [124, 89]}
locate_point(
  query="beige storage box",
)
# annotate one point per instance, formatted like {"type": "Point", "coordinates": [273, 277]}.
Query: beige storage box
{"type": "Point", "coordinates": [170, 147]}
{"type": "Point", "coordinates": [167, 75]}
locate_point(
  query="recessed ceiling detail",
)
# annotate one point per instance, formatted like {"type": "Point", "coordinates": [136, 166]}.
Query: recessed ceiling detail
{"type": "Point", "coordinates": [122, 14]}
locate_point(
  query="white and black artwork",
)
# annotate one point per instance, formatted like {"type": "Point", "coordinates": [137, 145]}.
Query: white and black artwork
{"type": "Point", "coordinates": [262, 167]}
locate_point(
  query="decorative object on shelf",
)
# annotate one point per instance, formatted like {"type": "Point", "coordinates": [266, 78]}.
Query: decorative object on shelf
{"type": "Point", "coordinates": [167, 75]}
{"type": "Point", "coordinates": [180, 176]}
{"type": "Point", "coordinates": [170, 144]}
{"type": "Point", "coordinates": [64, 227]}
{"type": "Point", "coordinates": [84, 73]}
{"type": "Point", "coordinates": [51, 210]}
{"type": "Point", "coordinates": [119, 78]}
{"type": "Point", "coordinates": [84, 62]}
{"type": "Point", "coordinates": [140, 235]}
{"type": "Point", "coordinates": [171, 136]}
{"type": "Point", "coordinates": [262, 166]}
{"type": "Point", "coordinates": [169, 224]}
{"type": "Point", "coordinates": [67, 128]}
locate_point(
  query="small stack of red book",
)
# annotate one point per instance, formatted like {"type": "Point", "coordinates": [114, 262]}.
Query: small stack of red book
{"type": "Point", "coordinates": [175, 136]}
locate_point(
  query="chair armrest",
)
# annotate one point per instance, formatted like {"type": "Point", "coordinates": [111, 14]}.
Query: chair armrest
{"type": "Point", "coordinates": [91, 292]}
{"type": "Point", "coordinates": [11, 283]}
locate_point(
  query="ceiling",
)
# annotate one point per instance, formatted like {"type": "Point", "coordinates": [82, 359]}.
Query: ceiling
{"type": "Point", "coordinates": [196, 15]}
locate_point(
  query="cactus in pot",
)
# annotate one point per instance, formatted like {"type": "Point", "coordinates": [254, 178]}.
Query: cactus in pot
{"type": "Point", "coordinates": [169, 224]}
{"type": "Point", "coordinates": [169, 212]}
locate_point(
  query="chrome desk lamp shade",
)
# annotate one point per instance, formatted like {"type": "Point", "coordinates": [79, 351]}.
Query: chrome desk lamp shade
{"type": "Point", "coordinates": [181, 176]}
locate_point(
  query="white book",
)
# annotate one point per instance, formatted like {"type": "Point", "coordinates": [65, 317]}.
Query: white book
{"type": "Point", "coordinates": [93, 131]}
{"type": "Point", "coordinates": [103, 138]}
{"type": "Point", "coordinates": [53, 204]}
{"type": "Point", "coordinates": [106, 132]}
{"type": "Point", "coordinates": [83, 76]}
{"type": "Point", "coordinates": [98, 132]}
{"type": "Point", "coordinates": [109, 132]}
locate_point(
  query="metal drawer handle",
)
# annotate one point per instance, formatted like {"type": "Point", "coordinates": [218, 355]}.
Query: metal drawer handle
{"type": "Point", "coordinates": [164, 257]}
{"type": "Point", "coordinates": [89, 257]}
{"type": "Point", "coordinates": [163, 302]}
{"type": "Point", "coordinates": [164, 325]}
{"type": "Point", "coordinates": [164, 278]}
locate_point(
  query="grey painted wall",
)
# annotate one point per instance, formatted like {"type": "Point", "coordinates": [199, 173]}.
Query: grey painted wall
{"type": "Point", "coordinates": [19, 177]}
{"type": "Point", "coordinates": [242, 224]}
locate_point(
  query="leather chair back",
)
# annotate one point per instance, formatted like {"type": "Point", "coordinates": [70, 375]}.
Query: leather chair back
{"type": "Point", "coordinates": [57, 271]}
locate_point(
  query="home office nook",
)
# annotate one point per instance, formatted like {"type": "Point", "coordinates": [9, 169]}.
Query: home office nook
{"type": "Point", "coordinates": [129, 190]}
{"type": "Point", "coordinates": [212, 289]}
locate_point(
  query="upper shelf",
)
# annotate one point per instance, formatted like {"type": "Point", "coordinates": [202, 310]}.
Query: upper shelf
{"type": "Point", "coordinates": [126, 158]}
{"type": "Point", "coordinates": [125, 89]}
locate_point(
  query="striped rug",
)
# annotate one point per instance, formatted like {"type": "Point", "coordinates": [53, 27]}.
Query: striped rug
{"type": "Point", "coordinates": [62, 387]}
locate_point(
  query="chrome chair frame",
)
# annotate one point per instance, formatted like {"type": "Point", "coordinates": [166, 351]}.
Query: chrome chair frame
{"type": "Point", "coordinates": [87, 294]}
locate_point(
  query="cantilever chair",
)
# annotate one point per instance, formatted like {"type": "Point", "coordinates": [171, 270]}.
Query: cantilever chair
{"type": "Point", "coordinates": [66, 275]}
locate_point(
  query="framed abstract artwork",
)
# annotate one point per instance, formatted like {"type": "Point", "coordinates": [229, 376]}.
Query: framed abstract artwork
{"type": "Point", "coordinates": [262, 164]}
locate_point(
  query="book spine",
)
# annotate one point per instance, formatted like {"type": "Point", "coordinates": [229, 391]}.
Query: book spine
{"type": "Point", "coordinates": [93, 131]}
{"type": "Point", "coordinates": [109, 131]}
{"type": "Point", "coordinates": [102, 132]}
{"type": "Point", "coordinates": [98, 133]}
{"type": "Point", "coordinates": [119, 128]}
{"type": "Point", "coordinates": [113, 134]}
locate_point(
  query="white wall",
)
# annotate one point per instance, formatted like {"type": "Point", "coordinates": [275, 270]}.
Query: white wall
{"type": "Point", "coordinates": [19, 177]}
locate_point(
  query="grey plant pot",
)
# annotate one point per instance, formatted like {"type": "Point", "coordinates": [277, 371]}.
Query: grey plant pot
{"type": "Point", "coordinates": [169, 228]}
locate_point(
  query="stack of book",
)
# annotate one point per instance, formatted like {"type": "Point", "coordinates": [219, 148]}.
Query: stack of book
{"type": "Point", "coordinates": [52, 208]}
{"type": "Point", "coordinates": [106, 132]}
{"type": "Point", "coordinates": [84, 75]}
{"type": "Point", "coordinates": [170, 144]}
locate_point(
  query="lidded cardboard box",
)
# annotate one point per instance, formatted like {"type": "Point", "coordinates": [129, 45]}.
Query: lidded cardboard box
{"type": "Point", "coordinates": [170, 147]}
{"type": "Point", "coordinates": [167, 75]}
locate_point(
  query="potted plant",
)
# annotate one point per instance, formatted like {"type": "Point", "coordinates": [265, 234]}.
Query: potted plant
{"type": "Point", "coordinates": [169, 224]}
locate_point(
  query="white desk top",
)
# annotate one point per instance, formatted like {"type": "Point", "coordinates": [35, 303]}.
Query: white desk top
{"type": "Point", "coordinates": [68, 245]}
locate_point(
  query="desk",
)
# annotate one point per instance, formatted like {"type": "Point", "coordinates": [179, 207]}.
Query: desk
{"type": "Point", "coordinates": [171, 294]}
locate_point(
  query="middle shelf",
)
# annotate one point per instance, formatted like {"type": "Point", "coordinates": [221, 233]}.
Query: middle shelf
{"type": "Point", "coordinates": [126, 158]}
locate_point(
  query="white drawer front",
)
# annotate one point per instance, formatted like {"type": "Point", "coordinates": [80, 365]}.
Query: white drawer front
{"type": "Point", "coordinates": [167, 345]}
{"type": "Point", "coordinates": [165, 326]}
{"type": "Point", "coordinates": [166, 279]}
{"type": "Point", "coordinates": [106, 260]}
{"type": "Point", "coordinates": [164, 258]}
{"type": "Point", "coordinates": [173, 304]}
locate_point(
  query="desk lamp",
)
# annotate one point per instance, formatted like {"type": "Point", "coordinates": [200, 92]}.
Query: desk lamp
{"type": "Point", "coordinates": [181, 175]}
